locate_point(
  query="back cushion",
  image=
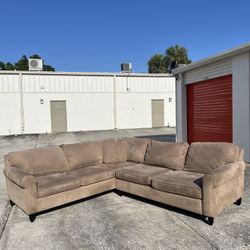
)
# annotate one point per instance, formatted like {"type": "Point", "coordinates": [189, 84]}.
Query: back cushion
{"type": "Point", "coordinates": [137, 149]}
{"type": "Point", "coordinates": [166, 154]}
{"type": "Point", "coordinates": [204, 157]}
{"type": "Point", "coordinates": [39, 161]}
{"type": "Point", "coordinates": [114, 151]}
{"type": "Point", "coordinates": [83, 154]}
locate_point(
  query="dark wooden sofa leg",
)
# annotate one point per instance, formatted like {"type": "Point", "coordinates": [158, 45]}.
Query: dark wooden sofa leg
{"type": "Point", "coordinates": [32, 217]}
{"type": "Point", "coordinates": [120, 193]}
{"type": "Point", "coordinates": [238, 202]}
{"type": "Point", "coordinates": [12, 203]}
{"type": "Point", "coordinates": [209, 220]}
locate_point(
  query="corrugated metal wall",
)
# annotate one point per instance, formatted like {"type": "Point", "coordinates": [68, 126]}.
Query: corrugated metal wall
{"type": "Point", "coordinates": [217, 69]}
{"type": "Point", "coordinates": [91, 100]}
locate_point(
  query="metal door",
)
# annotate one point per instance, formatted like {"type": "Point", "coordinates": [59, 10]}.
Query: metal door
{"type": "Point", "coordinates": [157, 113]}
{"type": "Point", "coordinates": [58, 116]}
{"type": "Point", "coordinates": [209, 110]}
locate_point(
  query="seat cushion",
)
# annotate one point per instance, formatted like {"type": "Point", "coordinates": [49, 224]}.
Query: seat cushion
{"type": "Point", "coordinates": [116, 166]}
{"type": "Point", "coordinates": [204, 157]}
{"type": "Point", "coordinates": [140, 173]}
{"type": "Point", "coordinates": [166, 154]}
{"type": "Point", "coordinates": [179, 182]}
{"type": "Point", "coordinates": [136, 149]}
{"type": "Point", "coordinates": [114, 151]}
{"type": "Point", "coordinates": [55, 183]}
{"type": "Point", "coordinates": [83, 154]}
{"type": "Point", "coordinates": [39, 160]}
{"type": "Point", "coordinates": [90, 175]}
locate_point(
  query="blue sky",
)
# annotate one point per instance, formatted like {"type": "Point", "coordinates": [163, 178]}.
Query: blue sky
{"type": "Point", "coordinates": [97, 35]}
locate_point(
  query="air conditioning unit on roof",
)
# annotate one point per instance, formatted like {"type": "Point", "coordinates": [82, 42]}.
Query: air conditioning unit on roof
{"type": "Point", "coordinates": [35, 64]}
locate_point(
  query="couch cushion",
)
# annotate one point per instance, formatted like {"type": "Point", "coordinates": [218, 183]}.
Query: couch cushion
{"type": "Point", "coordinates": [83, 154]}
{"type": "Point", "coordinates": [140, 174]}
{"type": "Point", "coordinates": [137, 149]}
{"type": "Point", "coordinates": [114, 151]}
{"type": "Point", "coordinates": [90, 175]}
{"type": "Point", "coordinates": [166, 154]}
{"type": "Point", "coordinates": [203, 157]}
{"type": "Point", "coordinates": [116, 166]}
{"type": "Point", "coordinates": [179, 182]}
{"type": "Point", "coordinates": [55, 183]}
{"type": "Point", "coordinates": [39, 161]}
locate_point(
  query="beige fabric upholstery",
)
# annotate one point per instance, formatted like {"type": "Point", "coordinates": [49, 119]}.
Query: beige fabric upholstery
{"type": "Point", "coordinates": [165, 154]}
{"type": "Point", "coordinates": [83, 154]}
{"type": "Point", "coordinates": [222, 187]}
{"type": "Point", "coordinates": [37, 161]}
{"type": "Point", "coordinates": [180, 201]}
{"type": "Point", "coordinates": [204, 157]}
{"type": "Point", "coordinates": [140, 173]}
{"type": "Point", "coordinates": [89, 175]}
{"type": "Point", "coordinates": [19, 177]}
{"type": "Point", "coordinates": [55, 183]}
{"type": "Point", "coordinates": [114, 151]}
{"type": "Point", "coordinates": [179, 182]}
{"type": "Point", "coordinates": [137, 149]}
{"type": "Point", "coordinates": [115, 166]}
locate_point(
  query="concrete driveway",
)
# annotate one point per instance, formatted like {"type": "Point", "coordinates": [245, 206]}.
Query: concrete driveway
{"type": "Point", "coordinates": [109, 221]}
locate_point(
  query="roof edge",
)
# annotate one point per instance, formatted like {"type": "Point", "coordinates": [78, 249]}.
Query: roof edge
{"type": "Point", "coordinates": [217, 57]}
{"type": "Point", "coordinates": [17, 72]}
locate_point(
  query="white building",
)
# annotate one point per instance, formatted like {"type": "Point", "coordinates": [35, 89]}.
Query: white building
{"type": "Point", "coordinates": [213, 99]}
{"type": "Point", "coordinates": [44, 102]}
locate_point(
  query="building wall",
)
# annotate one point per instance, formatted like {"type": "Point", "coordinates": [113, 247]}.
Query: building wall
{"type": "Point", "coordinates": [239, 67]}
{"type": "Point", "coordinates": [93, 102]}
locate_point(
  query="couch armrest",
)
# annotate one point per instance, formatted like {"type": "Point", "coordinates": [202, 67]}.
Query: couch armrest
{"type": "Point", "coordinates": [222, 187]}
{"type": "Point", "coordinates": [223, 174]}
{"type": "Point", "coordinates": [19, 177]}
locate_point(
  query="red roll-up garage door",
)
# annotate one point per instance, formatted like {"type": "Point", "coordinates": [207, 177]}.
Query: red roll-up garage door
{"type": "Point", "coordinates": [209, 110]}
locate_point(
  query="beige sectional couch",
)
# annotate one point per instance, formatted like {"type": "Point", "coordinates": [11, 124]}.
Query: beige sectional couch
{"type": "Point", "coordinates": [202, 177]}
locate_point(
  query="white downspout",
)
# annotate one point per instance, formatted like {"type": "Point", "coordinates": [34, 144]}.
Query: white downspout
{"type": "Point", "coordinates": [20, 84]}
{"type": "Point", "coordinates": [114, 102]}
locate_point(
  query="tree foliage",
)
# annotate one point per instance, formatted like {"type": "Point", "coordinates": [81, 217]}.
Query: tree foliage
{"type": "Point", "coordinates": [23, 64]}
{"type": "Point", "coordinates": [174, 56]}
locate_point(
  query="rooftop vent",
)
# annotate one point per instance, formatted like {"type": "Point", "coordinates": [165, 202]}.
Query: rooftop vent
{"type": "Point", "coordinates": [126, 67]}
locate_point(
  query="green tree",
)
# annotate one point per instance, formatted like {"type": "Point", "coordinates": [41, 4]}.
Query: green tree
{"type": "Point", "coordinates": [174, 56]}
{"type": "Point", "coordinates": [22, 64]}
{"type": "Point", "coordinates": [9, 66]}
{"type": "Point", "coordinates": [157, 64]}
{"type": "Point", "coordinates": [2, 65]}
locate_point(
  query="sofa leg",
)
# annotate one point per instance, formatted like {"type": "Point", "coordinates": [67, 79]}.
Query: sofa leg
{"type": "Point", "coordinates": [238, 202]}
{"type": "Point", "coordinates": [32, 217]}
{"type": "Point", "coordinates": [119, 192]}
{"type": "Point", "coordinates": [12, 203]}
{"type": "Point", "coordinates": [208, 220]}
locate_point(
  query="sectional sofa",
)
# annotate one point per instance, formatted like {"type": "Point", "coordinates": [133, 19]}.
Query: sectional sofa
{"type": "Point", "coordinates": [203, 178]}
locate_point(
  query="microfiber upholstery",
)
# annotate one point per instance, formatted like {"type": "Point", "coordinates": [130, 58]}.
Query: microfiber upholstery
{"type": "Point", "coordinates": [83, 154]}
{"type": "Point", "coordinates": [38, 161]}
{"type": "Point", "coordinates": [115, 151]}
{"type": "Point", "coordinates": [116, 166]}
{"type": "Point", "coordinates": [179, 182]}
{"type": "Point", "coordinates": [55, 183]}
{"type": "Point", "coordinates": [140, 174]}
{"type": "Point", "coordinates": [204, 157]}
{"type": "Point", "coordinates": [166, 154]}
{"type": "Point", "coordinates": [136, 149]}
{"type": "Point", "coordinates": [89, 175]}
